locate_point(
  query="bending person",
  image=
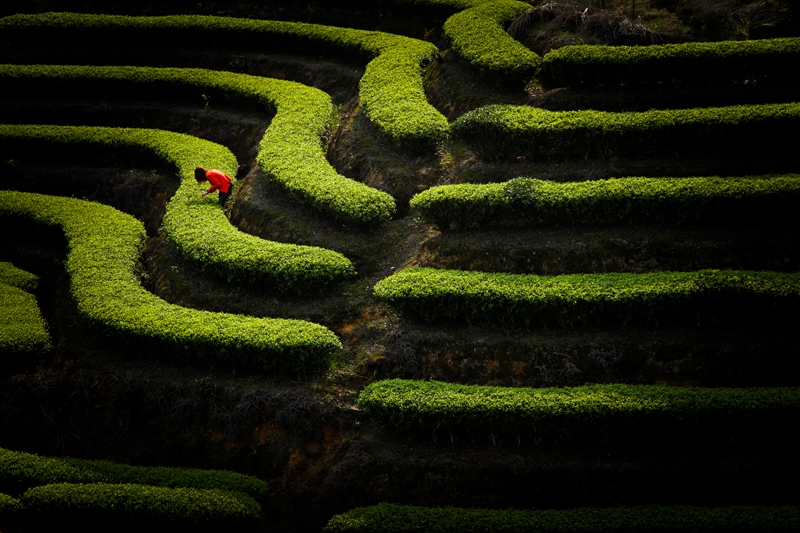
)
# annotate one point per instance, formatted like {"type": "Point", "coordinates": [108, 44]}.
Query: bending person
{"type": "Point", "coordinates": [218, 180]}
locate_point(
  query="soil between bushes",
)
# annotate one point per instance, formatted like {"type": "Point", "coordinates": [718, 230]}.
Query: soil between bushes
{"type": "Point", "coordinates": [91, 398]}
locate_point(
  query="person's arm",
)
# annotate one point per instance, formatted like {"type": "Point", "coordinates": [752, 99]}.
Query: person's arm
{"type": "Point", "coordinates": [216, 179]}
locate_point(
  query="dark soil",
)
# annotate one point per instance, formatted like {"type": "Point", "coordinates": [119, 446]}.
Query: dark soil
{"type": "Point", "coordinates": [304, 435]}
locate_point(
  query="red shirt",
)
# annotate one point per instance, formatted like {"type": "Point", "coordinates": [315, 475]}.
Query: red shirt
{"type": "Point", "coordinates": [218, 180]}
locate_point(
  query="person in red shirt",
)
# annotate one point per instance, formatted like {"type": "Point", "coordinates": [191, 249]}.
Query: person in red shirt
{"type": "Point", "coordinates": [218, 180]}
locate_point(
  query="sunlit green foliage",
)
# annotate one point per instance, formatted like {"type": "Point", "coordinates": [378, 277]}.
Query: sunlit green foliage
{"type": "Point", "coordinates": [392, 518]}
{"type": "Point", "coordinates": [527, 201]}
{"type": "Point", "coordinates": [290, 152]}
{"type": "Point", "coordinates": [391, 87]}
{"type": "Point", "coordinates": [20, 471]}
{"type": "Point", "coordinates": [23, 331]}
{"type": "Point", "coordinates": [143, 506]}
{"type": "Point", "coordinates": [506, 131]}
{"type": "Point", "coordinates": [726, 61]}
{"type": "Point", "coordinates": [104, 247]}
{"type": "Point", "coordinates": [527, 300]}
{"type": "Point", "coordinates": [596, 415]}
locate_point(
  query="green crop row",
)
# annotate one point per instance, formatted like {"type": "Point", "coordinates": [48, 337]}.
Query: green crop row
{"type": "Point", "coordinates": [476, 35]}
{"type": "Point", "coordinates": [392, 518]}
{"type": "Point", "coordinates": [391, 88]}
{"type": "Point", "coordinates": [507, 131]}
{"type": "Point", "coordinates": [129, 506]}
{"type": "Point", "coordinates": [527, 300]}
{"type": "Point", "coordinates": [592, 65]}
{"type": "Point", "coordinates": [197, 226]}
{"type": "Point", "coordinates": [290, 152]}
{"type": "Point", "coordinates": [104, 247]}
{"type": "Point", "coordinates": [23, 331]}
{"type": "Point", "coordinates": [527, 201]}
{"type": "Point", "coordinates": [20, 471]}
{"type": "Point", "coordinates": [596, 415]}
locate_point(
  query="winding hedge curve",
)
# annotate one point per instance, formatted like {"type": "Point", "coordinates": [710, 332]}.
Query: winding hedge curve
{"type": "Point", "coordinates": [392, 518]}
{"type": "Point", "coordinates": [631, 200]}
{"type": "Point", "coordinates": [391, 88]}
{"type": "Point", "coordinates": [527, 300]}
{"type": "Point", "coordinates": [726, 61]}
{"type": "Point", "coordinates": [20, 471]}
{"type": "Point", "coordinates": [594, 415]}
{"type": "Point", "coordinates": [104, 246]}
{"type": "Point", "coordinates": [23, 331]}
{"type": "Point", "coordinates": [507, 131]}
{"type": "Point", "coordinates": [476, 35]}
{"type": "Point", "coordinates": [291, 150]}
{"type": "Point", "coordinates": [141, 506]}
{"type": "Point", "coordinates": [197, 226]}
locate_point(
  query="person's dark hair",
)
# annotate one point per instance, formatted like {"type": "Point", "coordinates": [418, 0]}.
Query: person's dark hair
{"type": "Point", "coordinates": [199, 174]}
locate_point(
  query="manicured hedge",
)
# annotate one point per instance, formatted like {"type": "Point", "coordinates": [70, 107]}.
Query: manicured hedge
{"type": "Point", "coordinates": [290, 152]}
{"type": "Point", "coordinates": [23, 331]}
{"type": "Point", "coordinates": [527, 201]}
{"type": "Point", "coordinates": [476, 35]}
{"type": "Point", "coordinates": [9, 507]}
{"type": "Point", "coordinates": [141, 506]}
{"type": "Point", "coordinates": [594, 415]}
{"type": "Point", "coordinates": [20, 471]}
{"type": "Point", "coordinates": [197, 226]}
{"type": "Point", "coordinates": [527, 300]}
{"type": "Point", "coordinates": [392, 518]}
{"type": "Point", "coordinates": [507, 131]}
{"type": "Point", "coordinates": [726, 61]}
{"type": "Point", "coordinates": [104, 247]}
{"type": "Point", "coordinates": [391, 87]}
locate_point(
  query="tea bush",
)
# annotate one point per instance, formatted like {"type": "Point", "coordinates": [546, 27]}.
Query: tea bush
{"type": "Point", "coordinates": [701, 62]}
{"type": "Point", "coordinates": [593, 415]}
{"type": "Point", "coordinates": [568, 300]}
{"type": "Point", "coordinates": [140, 506]}
{"type": "Point", "coordinates": [20, 471]}
{"type": "Point", "coordinates": [290, 152]}
{"type": "Point", "coordinates": [23, 331]}
{"type": "Point", "coordinates": [392, 518]}
{"type": "Point", "coordinates": [633, 200]}
{"type": "Point", "coordinates": [391, 88]}
{"type": "Point", "coordinates": [104, 247]}
{"type": "Point", "coordinates": [508, 131]}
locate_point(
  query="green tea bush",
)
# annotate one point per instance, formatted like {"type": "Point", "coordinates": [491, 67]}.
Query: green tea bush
{"type": "Point", "coordinates": [197, 226]}
{"type": "Point", "coordinates": [20, 471]}
{"type": "Point", "coordinates": [139, 506]}
{"type": "Point", "coordinates": [726, 61]}
{"type": "Point", "coordinates": [290, 152]}
{"type": "Point", "coordinates": [391, 87]}
{"type": "Point", "coordinates": [392, 518]}
{"type": "Point", "coordinates": [507, 131]}
{"type": "Point", "coordinates": [104, 247]}
{"type": "Point", "coordinates": [527, 300]}
{"type": "Point", "coordinates": [595, 415]}
{"type": "Point", "coordinates": [531, 202]}
{"type": "Point", "coordinates": [23, 331]}
{"type": "Point", "coordinates": [9, 507]}
{"type": "Point", "coordinates": [476, 35]}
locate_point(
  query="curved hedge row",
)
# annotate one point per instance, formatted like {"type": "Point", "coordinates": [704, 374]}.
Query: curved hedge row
{"type": "Point", "coordinates": [197, 226]}
{"type": "Point", "coordinates": [20, 471]}
{"type": "Point", "coordinates": [23, 331]}
{"type": "Point", "coordinates": [392, 518]}
{"type": "Point", "coordinates": [104, 246]}
{"type": "Point", "coordinates": [725, 61]}
{"type": "Point", "coordinates": [138, 506]}
{"type": "Point", "coordinates": [476, 35]}
{"type": "Point", "coordinates": [290, 152]}
{"type": "Point", "coordinates": [528, 300]}
{"type": "Point", "coordinates": [506, 131]}
{"type": "Point", "coordinates": [528, 201]}
{"type": "Point", "coordinates": [391, 87]}
{"type": "Point", "coordinates": [596, 415]}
